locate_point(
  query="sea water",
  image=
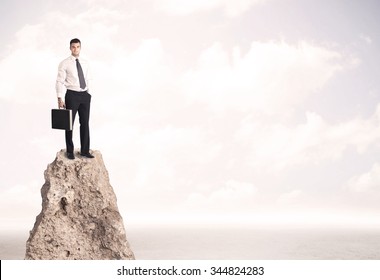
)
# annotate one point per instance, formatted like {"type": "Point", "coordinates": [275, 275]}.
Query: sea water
{"type": "Point", "coordinates": [233, 243]}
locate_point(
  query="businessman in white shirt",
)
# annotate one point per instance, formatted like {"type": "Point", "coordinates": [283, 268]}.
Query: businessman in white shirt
{"type": "Point", "coordinates": [73, 84]}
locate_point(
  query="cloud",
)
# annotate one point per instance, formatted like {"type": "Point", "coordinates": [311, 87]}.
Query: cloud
{"type": "Point", "coordinates": [269, 78]}
{"type": "Point", "coordinates": [367, 39]}
{"type": "Point", "coordinates": [277, 146]}
{"type": "Point", "coordinates": [368, 182]}
{"type": "Point", "coordinates": [234, 196]}
{"type": "Point", "coordinates": [290, 197]}
{"type": "Point", "coordinates": [183, 7]}
{"type": "Point", "coordinates": [21, 201]}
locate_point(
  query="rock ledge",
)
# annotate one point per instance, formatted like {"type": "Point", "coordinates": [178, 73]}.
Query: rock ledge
{"type": "Point", "coordinates": [80, 219]}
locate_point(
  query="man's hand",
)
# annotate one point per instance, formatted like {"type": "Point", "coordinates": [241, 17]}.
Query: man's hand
{"type": "Point", "coordinates": [61, 104]}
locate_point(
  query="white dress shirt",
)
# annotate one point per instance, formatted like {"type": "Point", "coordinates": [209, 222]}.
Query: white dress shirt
{"type": "Point", "coordinates": [67, 77]}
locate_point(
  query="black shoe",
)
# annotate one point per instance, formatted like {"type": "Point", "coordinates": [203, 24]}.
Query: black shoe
{"type": "Point", "coordinates": [70, 156]}
{"type": "Point", "coordinates": [87, 155]}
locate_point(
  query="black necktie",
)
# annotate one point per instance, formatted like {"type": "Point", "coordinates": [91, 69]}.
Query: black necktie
{"type": "Point", "coordinates": [82, 82]}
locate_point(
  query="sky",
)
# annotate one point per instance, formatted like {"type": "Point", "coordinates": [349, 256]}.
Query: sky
{"type": "Point", "coordinates": [229, 112]}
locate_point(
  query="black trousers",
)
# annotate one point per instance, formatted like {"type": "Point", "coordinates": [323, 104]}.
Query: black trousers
{"type": "Point", "coordinates": [79, 102]}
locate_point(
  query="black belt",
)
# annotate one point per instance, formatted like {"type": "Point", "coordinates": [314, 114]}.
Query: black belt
{"type": "Point", "coordinates": [77, 92]}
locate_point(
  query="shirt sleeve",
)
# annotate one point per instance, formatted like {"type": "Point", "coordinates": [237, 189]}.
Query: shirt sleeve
{"type": "Point", "coordinates": [60, 83]}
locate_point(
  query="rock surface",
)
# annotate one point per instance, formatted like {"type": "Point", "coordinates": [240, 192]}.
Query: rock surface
{"type": "Point", "coordinates": [79, 218]}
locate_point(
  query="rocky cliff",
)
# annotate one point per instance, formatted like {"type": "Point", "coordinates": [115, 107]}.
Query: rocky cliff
{"type": "Point", "coordinates": [79, 218]}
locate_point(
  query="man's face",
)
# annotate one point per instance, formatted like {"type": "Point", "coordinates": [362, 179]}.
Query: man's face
{"type": "Point", "coordinates": [75, 49]}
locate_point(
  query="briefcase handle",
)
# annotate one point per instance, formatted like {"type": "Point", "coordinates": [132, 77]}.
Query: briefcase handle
{"type": "Point", "coordinates": [59, 107]}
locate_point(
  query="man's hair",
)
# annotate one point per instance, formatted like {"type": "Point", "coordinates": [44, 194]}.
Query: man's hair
{"type": "Point", "coordinates": [75, 40]}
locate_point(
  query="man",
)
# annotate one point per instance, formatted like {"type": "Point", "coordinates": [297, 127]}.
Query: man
{"type": "Point", "coordinates": [74, 77]}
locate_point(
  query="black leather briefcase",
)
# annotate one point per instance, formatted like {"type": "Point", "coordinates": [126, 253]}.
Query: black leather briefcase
{"type": "Point", "coordinates": [62, 119]}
